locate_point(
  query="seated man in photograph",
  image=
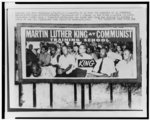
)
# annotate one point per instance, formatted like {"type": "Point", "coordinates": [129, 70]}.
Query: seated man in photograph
{"type": "Point", "coordinates": [115, 56]}
{"type": "Point", "coordinates": [44, 62]}
{"type": "Point", "coordinates": [104, 66]}
{"type": "Point", "coordinates": [82, 71]}
{"type": "Point", "coordinates": [44, 57]}
{"type": "Point", "coordinates": [70, 49]}
{"type": "Point", "coordinates": [40, 48]}
{"type": "Point", "coordinates": [75, 51]}
{"type": "Point", "coordinates": [90, 51]}
{"type": "Point", "coordinates": [30, 59]}
{"type": "Point", "coordinates": [126, 67]}
{"type": "Point", "coordinates": [54, 59]}
{"type": "Point", "coordinates": [36, 70]}
{"type": "Point", "coordinates": [54, 56]}
{"type": "Point", "coordinates": [66, 63]}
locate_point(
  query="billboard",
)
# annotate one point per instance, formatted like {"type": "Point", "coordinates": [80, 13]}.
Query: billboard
{"type": "Point", "coordinates": [83, 51]}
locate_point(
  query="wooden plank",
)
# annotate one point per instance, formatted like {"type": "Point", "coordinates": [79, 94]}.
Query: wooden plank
{"type": "Point", "coordinates": [82, 97]}
{"type": "Point", "coordinates": [20, 95]}
{"type": "Point", "coordinates": [129, 96]}
{"type": "Point", "coordinates": [90, 92]}
{"type": "Point", "coordinates": [111, 92]}
{"type": "Point", "coordinates": [75, 92]}
{"type": "Point", "coordinates": [51, 95]}
{"type": "Point", "coordinates": [34, 94]}
{"type": "Point", "coordinates": [78, 81]}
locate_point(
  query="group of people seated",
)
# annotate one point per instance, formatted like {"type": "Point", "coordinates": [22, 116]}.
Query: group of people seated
{"type": "Point", "coordinates": [61, 60]}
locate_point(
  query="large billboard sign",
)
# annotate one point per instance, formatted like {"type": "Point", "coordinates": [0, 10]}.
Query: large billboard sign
{"type": "Point", "coordinates": [101, 51]}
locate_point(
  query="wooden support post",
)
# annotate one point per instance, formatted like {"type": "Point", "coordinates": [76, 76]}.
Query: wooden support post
{"type": "Point", "coordinates": [90, 93]}
{"type": "Point", "coordinates": [129, 96]}
{"type": "Point", "coordinates": [111, 92]}
{"type": "Point", "coordinates": [51, 94]}
{"type": "Point", "coordinates": [20, 95]}
{"type": "Point", "coordinates": [34, 94]}
{"type": "Point", "coordinates": [75, 92]}
{"type": "Point", "coordinates": [82, 96]}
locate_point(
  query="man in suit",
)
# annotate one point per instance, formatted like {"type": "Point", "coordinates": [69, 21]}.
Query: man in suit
{"type": "Point", "coordinates": [104, 66]}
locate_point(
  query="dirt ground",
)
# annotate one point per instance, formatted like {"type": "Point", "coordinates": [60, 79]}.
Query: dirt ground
{"type": "Point", "coordinates": [63, 97]}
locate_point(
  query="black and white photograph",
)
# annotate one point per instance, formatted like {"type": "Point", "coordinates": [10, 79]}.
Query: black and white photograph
{"type": "Point", "coordinates": [95, 52]}
{"type": "Point", "coordinates": [76, 60]}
